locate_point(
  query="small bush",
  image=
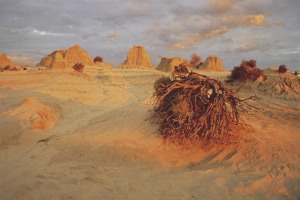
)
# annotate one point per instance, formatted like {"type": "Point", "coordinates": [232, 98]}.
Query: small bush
{"type": "Point", "coordinates": [98, 59]}
{"type": "Point", "coordinates": [78, 67]}
{"type": "Point", "coordinates": [195, 59]}
{"type": "Point", "coordinates": [282, 69]}
{"type": "Point", "coordinates": [246, 71]}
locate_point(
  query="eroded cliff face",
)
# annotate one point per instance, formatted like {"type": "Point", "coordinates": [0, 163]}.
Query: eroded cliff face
{"type": "Point", "coordinates": [212, 63]}
{"type": "Point", "coordinates": [137, 57]}
{"type": "Point", "coordinates": [168, 64]}
{"type": "Point", "coordinates": [66, 59]}
{"type": "Point", "coordinates": [5, 61]}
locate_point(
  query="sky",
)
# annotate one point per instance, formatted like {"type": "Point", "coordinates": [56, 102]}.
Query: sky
{"type": "Point", "coordinates": [234, 30]}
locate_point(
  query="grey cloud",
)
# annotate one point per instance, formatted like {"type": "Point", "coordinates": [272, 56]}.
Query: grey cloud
{"type": "Point", "coordinates": [221, 6]}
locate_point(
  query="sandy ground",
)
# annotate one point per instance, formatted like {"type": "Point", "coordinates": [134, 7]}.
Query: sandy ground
{"type": "Point", "coordinates": [70, 136]}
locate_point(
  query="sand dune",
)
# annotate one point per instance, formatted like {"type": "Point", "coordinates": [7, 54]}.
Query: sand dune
{"type": "Point", "coordinates": [102, 144]}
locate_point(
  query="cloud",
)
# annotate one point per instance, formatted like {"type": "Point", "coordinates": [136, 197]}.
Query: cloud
{"type": "Point", "coordinates": [112, 36]}
{"type": "Point", "coordinates": [244, 20]}
{"type": "Point", "coordinates": [45, 33]}
{"type": "Point", "coordinates": [22, 60]}
{"type": "Point", "coordinates": [279, 23]}
{"type": "Point", "coordinates": [220, 6]}
{"type": "Point", "coordinates": [191, 39]}
{"type": "Point", "coordinates": [214, 28]}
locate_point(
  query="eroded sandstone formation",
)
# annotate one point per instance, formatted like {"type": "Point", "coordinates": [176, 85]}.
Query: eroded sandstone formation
{"type": "Point", "coordinates": [5, 61]}
{"type": "Point", "coordinates": [66, 59]}
{"type": "Point", "coordinates": [168, 64]}
{"type": "Point", "coordinates": [212, 63]}
{"type": "Point", "coordinates": [137, 57]}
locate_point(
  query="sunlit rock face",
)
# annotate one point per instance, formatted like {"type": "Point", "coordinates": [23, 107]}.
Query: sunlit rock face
{"type": "Point", "coordinates": [168, 64]}
{"type": "Point", "coordinates": [137, 57]}
{"type": "Point", "coordinates": [66, 59]}
{"type": "Point", "coordinates": [5, 61]}
{"type": "Point", "coordinates": [212, 63]}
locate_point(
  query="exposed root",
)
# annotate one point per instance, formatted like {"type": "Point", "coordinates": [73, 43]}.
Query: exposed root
{"type": "Point", "coordinates": [197, 108]}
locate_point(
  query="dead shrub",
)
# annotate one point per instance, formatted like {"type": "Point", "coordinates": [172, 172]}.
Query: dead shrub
{"type": "Point", "coordinates": [246, 71]}
{"type": "Point", "coordinates": [98, 59]}
{"type": "Point", "coordinates": [78, 67]}
{"type": "Point", "coordinates": [197, 108]}
{"type": "Point", "coordinates": [282, 69]}
{"type": "Point", "coordinates": [195, 59]}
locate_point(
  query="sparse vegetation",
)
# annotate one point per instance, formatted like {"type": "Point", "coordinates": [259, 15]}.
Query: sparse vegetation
{"type": "Point", "coordinates": [246, 71]}
{"type": "Point", "coordinates": [195, 59]}
{"type": "Point", "coordinates": [98, 59]}
{"type": "Point", "coordinates": [282, 69]}
{"type": "Point", "coordinates": [196, 108]}
{"type": "Point", "coordinates": [78, 67]}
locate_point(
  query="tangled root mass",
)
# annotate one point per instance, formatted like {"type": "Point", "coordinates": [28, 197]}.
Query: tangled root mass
{"type": "Point", "coordinates": [195, 107]}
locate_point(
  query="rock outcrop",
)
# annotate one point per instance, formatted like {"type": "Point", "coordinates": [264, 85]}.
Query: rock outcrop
{"type": "Point", "coordinates": [212, 63]}
{"type": "Point", "coordinates": [137, 58]}
{"type": "Point", "coordinates": [168, 64]}
{"type": "Point", "coordinates": [66, 59]}
{"type": "Point", "coordinates": [5, 61]}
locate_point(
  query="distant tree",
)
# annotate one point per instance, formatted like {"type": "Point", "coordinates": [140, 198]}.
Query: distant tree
{"type": "Point", "coordinates": [98, 59]}
{"type": "Point", "coordinates": [282, 69]}
{"type": "Point", "coordinates": [78, 67]}
{"type": "Point", "coordinates": [195, 59]}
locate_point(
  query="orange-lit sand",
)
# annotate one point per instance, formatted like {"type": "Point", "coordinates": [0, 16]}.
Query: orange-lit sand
{"type": "Point", "coordinates": [94, 140]}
